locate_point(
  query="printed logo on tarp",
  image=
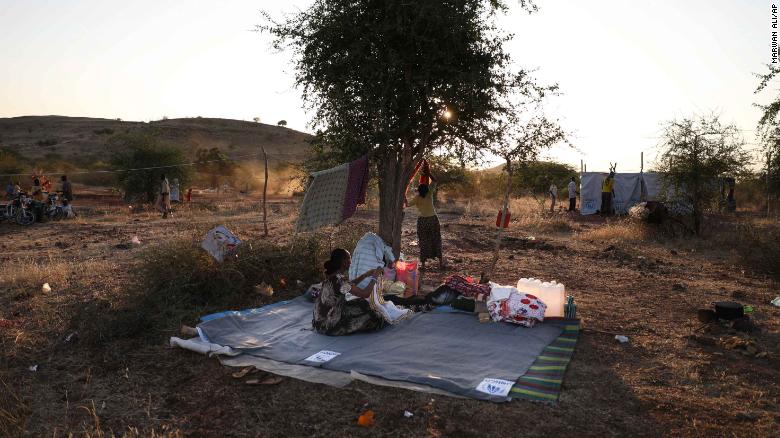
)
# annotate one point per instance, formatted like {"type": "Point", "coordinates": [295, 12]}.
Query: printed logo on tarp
{"type": "Point", "coordinates": [496, 387]}
{"type": "Point", "coordinates": [322, 357]}
{"type": "Point", "coordinates": [590, 203]}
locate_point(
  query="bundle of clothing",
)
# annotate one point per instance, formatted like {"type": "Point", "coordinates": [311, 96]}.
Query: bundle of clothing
{"type": "Point", "coordinates": [504, 303]}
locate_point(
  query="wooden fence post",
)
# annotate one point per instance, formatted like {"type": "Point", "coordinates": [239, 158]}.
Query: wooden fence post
{"type": "Point", "coordinates": [504, 212]}
{"type": "Point", "coordinates": [265, 191]}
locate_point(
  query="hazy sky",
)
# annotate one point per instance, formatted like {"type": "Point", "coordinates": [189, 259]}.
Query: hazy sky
{"type": "Point", "coordinates": [624, 66]}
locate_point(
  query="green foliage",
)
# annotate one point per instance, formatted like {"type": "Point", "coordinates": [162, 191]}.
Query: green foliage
{"type": "Point", "coordinates": [381, 75]}
{"type": "Point", "coordinates": [282, 123]}
{"type": "Point", "coordinates": [214, 163]}
{"type": "Point", "coordinates": [536, 177]}
{"type": "Point", "coordinates": [694, 154]}
{"type": "Point", "coordinates": [143, 151]}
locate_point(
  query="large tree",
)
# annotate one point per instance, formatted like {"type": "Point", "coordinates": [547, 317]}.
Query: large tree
{"type": "Point", "coordinates": [397, 80]}
{"type": "Point", "coordinates": [695, 152]}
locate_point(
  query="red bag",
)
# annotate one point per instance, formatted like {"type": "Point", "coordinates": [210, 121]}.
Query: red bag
{"type": "Point", "coordinates": [406, 272]}
{"type": "Point", "coordinates": [506, 219]}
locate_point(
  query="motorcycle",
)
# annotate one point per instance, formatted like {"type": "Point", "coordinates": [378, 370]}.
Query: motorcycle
{"type": "Point", "coordinates": [52, 210]}
{"type": "Point", "coordinates": [20, 210]}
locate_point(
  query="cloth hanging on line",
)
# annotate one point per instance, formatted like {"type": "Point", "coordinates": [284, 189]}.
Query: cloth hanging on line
{"type": "Point", "coordinates": [333, 195]}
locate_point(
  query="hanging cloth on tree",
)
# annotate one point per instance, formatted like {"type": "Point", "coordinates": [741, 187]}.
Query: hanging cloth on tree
{"type": "Point", "coordinates": [333, 195]}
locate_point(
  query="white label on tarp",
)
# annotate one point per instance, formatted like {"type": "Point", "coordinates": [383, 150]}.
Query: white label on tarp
{"type": "Point", "coordinates": [322, 357]}
{"type": "Point", "coordinates": [495, 387]}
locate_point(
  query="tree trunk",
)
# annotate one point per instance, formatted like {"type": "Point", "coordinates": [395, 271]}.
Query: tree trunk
{"type": "Point", "coordinates": [394, 173]}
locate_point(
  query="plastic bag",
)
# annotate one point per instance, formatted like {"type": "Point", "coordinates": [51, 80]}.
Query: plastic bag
{"type": "Point", "coordinates": [406, 272]}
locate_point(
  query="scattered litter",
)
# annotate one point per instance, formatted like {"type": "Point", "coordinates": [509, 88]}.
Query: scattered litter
{"type": "Point", "coordinates": [367, 419]}
{"type": "Point", "coordinates": [270, 380]}
{"type": "Point", "coordinates": [776, 302]}
{"type": "Point", "coordinates": [103, 405]}
{"type": "Point", "coordinates": [33, 368]}
{"type": "Point", "coordinates": [135, 240]}
{"type": "Point", "coordinates": [622, 339]}
{"type": "Point", "coordinates": [46, 288]}
{"type": "Point", "coordinates": [408, 414]}
{"type": "Point", "coordinates": [70, 337]}
{"type": "Point", "coordinates": [264, 289]}
{"type": "Point", "coordinates": [245, 372]}
{"type": "Point", "coordinates": [220, 243]}
{"type": "Point", "coordinates": [300, 284]}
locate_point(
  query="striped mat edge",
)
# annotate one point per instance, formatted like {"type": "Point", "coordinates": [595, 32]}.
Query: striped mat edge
{"type": "Point", "coordinates": [542, 382]}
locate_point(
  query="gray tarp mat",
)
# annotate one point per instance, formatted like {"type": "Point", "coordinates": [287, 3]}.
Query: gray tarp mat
{"type": "Point", "coordinates": [452, 352]}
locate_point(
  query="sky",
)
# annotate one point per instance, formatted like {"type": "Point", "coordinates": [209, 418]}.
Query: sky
{"type": "Point", "coordinates": [623, 67]}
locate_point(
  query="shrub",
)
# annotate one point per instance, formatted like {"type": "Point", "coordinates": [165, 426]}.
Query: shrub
{"type": "Point", "coordinates": [178, 281]}
{"type": "Point", "coordinates": [759, 248]}
{"type": "Point", "coordinates": [144, 151]}
{"type": "Point", "coordinates": [103, 131]}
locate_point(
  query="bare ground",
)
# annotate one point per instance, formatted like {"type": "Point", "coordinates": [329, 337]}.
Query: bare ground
{"type": "Point", "coordinates": [663, 382]}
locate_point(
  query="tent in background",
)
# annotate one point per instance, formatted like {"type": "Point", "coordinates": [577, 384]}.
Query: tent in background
{"type": "Point", "coordinates": [590, 192]}
{"type": "Point", "coordinates": [627, 191]}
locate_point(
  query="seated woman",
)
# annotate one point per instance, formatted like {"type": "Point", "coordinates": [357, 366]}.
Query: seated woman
{"type": "Point", "coordinates": [333, 314]}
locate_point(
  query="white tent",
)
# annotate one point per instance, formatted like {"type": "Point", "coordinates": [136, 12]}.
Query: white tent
{"type": "Point", "coordinates": [627, 192]}
{"type": "Point", "coordinates": [590, 192]}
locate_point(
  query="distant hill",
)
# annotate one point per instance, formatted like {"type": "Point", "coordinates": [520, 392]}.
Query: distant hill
{"type": "Point", "coordinates": [83, 141]}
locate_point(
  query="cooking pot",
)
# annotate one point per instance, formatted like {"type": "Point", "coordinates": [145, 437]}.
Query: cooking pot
{"type": "Point", "coordinates": [729, 310]}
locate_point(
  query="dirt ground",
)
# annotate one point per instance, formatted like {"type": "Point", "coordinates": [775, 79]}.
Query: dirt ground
{"type": "Point", "coordinates": [672, 378]}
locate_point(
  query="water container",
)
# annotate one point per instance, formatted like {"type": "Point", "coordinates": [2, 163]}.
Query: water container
{"type": "Point", "coordinates": [522, 284]}
{"type": "Point", "coordinates": [535, 286]}
{"type": "Point", "coordinates": [552, 295]}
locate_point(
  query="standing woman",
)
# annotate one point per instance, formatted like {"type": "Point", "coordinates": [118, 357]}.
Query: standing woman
{"type": "Point", "coordinates": [428, 227]}
{"type": "Point", "coordinates": [165, 196]}
{"type": "Point", "coordinates": [334, 315]}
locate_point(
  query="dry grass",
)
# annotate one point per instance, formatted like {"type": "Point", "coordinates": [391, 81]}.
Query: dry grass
{"type": "Point", "coordinates": [619, 230]}
{"type": "Point", "coordinates": [528, 213]}
{"type": "Point", "coordinates": [14, 411]}
{"type": "Point", "coordinates": [119, 379]}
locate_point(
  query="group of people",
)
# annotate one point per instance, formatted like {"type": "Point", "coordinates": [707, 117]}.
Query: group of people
{"type": "Point", "coordinates": [41, 187]}
{"type": "Point", "coordinates": [607, 187]}
{"type": "Point", "coordinates": [342, 307]}
{"type": "Point", "coordinates": [572, 189]}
